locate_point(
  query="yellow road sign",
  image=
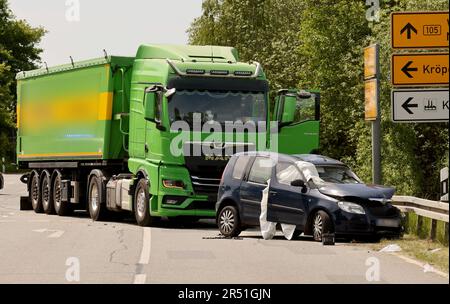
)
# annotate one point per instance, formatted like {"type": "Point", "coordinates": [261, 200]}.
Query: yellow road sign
{"type": "Point", "coordinates": [421, 69]}
{"type": "Point", "coordinates": [371, 61]}
{"type": "Point", "coordinates": [371, 99]}
{"type": "Point", "coordinates": [411, 30]}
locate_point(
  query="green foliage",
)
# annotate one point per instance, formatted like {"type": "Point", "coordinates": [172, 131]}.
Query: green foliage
{"type": "Point", "coordinates": [18, 52]}
{"type": "Point", "coordinates": [317, 44]}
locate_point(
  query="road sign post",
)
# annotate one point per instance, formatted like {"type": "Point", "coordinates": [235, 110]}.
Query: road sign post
{"type": "Point", "coordinates": [419, 30]}
{"type": "Point", "coordinates": [420, 105]}
{"type": "Point", "coordinates": [372, 105]}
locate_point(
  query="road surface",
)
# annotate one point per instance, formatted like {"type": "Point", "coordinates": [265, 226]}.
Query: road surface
{"type": "Point", "coordinates": [37, 248]}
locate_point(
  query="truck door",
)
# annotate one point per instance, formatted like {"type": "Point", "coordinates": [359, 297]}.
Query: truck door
{"type": "Point", "coordinates": [298, 116]}
{"type": "Point", "coordinates": [286, 203]}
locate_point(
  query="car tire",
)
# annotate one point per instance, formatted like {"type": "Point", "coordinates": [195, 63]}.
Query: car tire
{"type": "Point", "coordinates": [142, 204]}
{"type": "Point", "coordinates": [61, 208]}
{"type": "Point", "coordinates": [35, 194]}
{"type": "Point", "coordinates": [46, 190]}
{"type": "Point", "coordinates": [228, 222]}
{"type": "Point", "coordinates": [321, 223]}
{"type": "Point", "coordinates": [96, 199]}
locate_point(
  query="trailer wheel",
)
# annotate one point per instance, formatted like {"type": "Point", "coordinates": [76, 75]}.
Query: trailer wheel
{"type": "Point", "coordinates": [61, 208]}
{"type": "Point", "coordinates": [96, 199]}
{"type": "Point", "coordinates": [46, 188]}
{"type": "Point", "coordinates": [142, 204]}
{"type": "Point", "coordinates": [35, 194]}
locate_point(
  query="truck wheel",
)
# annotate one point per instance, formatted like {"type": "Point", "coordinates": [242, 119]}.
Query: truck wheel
{"type": "Point", "coordinates": [321, 224]}
{"type": "Point", "coordinates": [228, 222]}
{"type": "Point", "coordinates": [35, 194]}
{"type": "Point", "coordinates": [142, 204]}
{"type": "Point", "coordinates": [47, 201]}
{"type": "Point", "coordinates": [61, 208]}
{"type": "Point", "coordinates": [96, 199]}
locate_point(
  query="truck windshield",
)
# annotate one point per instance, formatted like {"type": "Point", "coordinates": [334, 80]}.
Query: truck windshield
{"type": "Point", "coordinates": [217, 107]}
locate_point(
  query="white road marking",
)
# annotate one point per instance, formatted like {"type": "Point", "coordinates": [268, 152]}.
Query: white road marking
{"type": "Point", "coordinates": [54, 235]}
{"type": "Point", "coordinates": [420, 264]}
{"type": "Point", "coordinates": [140, 279]}
{"type": "Point", "coordinates": [144, 259]}
{"type": "Point", "coordinates": [146, 246]}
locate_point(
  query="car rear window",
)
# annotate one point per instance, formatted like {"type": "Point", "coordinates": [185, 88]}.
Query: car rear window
{"type": "Point", "coordinates": [239, 167]}
{"type": "Point", "coordinates": [261, 170]}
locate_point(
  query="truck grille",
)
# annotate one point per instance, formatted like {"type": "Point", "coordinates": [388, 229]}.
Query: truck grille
{"type": "Point", "coordinates": [206, 186]}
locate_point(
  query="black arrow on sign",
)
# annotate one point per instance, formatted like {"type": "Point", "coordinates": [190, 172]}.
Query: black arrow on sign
{"type": "Point", "coordinates": [406, 105]}
{"type": "Point", "coordinates": [408, 28]}
{"type": "Point", "coordinates": [406, 69]}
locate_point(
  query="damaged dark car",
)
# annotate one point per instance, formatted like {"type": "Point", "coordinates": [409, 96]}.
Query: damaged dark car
{"type": "Point", "coordinates": [318, 194]}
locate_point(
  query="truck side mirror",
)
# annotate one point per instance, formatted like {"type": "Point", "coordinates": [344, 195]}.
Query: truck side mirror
{"type": "Point", "coordinates": [149, 106]}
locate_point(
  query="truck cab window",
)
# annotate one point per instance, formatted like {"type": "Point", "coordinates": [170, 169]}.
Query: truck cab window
{"type": "Point", "coordinates": [305, 109]}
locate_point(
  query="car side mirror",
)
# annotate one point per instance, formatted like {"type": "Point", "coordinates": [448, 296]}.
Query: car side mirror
{"type": "Point", "coordinates": [300, 184]}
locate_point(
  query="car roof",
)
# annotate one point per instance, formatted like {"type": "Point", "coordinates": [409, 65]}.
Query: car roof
{"type": "Point", "coordinates": [319, 159]}
{"type": "Point", "coordinates": [311, 158]}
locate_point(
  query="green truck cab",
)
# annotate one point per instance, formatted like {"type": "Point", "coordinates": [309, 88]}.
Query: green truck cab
{"type": "Point", "coordinates": [150, 134]}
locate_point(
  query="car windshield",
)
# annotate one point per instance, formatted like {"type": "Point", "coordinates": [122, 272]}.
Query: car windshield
{"type": "Point", "coordinates": [337, 175]}
{"type": "Point", "coordinates": [217, 107]}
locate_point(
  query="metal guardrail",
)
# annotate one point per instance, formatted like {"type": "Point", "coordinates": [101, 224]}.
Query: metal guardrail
{"type": "Point", "coordinates": [422, 207]}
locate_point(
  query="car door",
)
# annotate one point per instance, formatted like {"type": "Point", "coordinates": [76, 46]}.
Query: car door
{"type": "Point", "coordinates": [286, 203]}
{"type": "Point", "coordinates": [251, 189]}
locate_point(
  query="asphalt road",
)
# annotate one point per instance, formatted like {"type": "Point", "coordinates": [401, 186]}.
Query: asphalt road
{"type": "Point", "coordinates": [36, 248]}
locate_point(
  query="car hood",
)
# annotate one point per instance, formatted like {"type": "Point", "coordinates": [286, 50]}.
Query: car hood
{"type": "Point", "coordinates": [357, 191]}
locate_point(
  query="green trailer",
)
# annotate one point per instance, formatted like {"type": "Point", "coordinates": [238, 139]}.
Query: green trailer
{"type": "Point", "coordinates": [150, 134]}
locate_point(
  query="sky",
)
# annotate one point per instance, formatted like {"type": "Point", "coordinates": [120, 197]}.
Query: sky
{"type": "Point", "coordinates": [83, 28]}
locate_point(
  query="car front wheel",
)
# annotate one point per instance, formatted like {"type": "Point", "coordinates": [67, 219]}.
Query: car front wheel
{"type": "Point", "coordinates": [228, 222]}
{"type": "Point", "coordinates": [321, 225]}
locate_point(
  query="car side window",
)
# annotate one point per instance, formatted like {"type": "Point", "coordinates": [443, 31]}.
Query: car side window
{"type": "Point", "coordinates": [239, 167]}
{"type": "Point", "coordinates": [287, 173]}
{"type": "Point", "coordinates": [261, 170]}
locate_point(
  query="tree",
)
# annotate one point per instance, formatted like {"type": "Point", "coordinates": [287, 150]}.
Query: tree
{"type": "Point", "coordinates": [319, 44]}
{"type": "Point", "coordinates": [18, 52]}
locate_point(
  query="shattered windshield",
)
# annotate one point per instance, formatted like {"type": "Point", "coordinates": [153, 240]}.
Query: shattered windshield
{"type": "Point", "coordinates": [337, 175]}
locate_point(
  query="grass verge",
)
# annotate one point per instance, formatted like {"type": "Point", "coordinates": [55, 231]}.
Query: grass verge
{"type": "Point", "coordinates": [426, 251]}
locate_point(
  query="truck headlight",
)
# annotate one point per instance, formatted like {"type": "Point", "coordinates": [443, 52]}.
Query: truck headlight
{"type": "Point", "coordinates": [351, 208]}
{"type": "Point", "coordinates": [174, 184]}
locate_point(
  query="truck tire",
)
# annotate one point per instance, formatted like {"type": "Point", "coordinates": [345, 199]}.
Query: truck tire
{"type": "Point", "coordinates": [61, 208]}
{"type": "Point", "coordinates": [46, 190]}
{"type": "Point", "coordinates": [35, 194]}
{"type": "Point", "coordinates": [142, 204]}
{"type": "Point", "coordinates": [228, 222]}
{"type": "Point", "coordinates": [97, 198]}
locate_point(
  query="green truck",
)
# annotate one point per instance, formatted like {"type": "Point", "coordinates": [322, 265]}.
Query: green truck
{"type": "Point", "coordinates": [150, 134]}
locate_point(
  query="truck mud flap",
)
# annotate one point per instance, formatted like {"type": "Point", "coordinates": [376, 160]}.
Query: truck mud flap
{"type": "Point", "coordinates": [25, 203]}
